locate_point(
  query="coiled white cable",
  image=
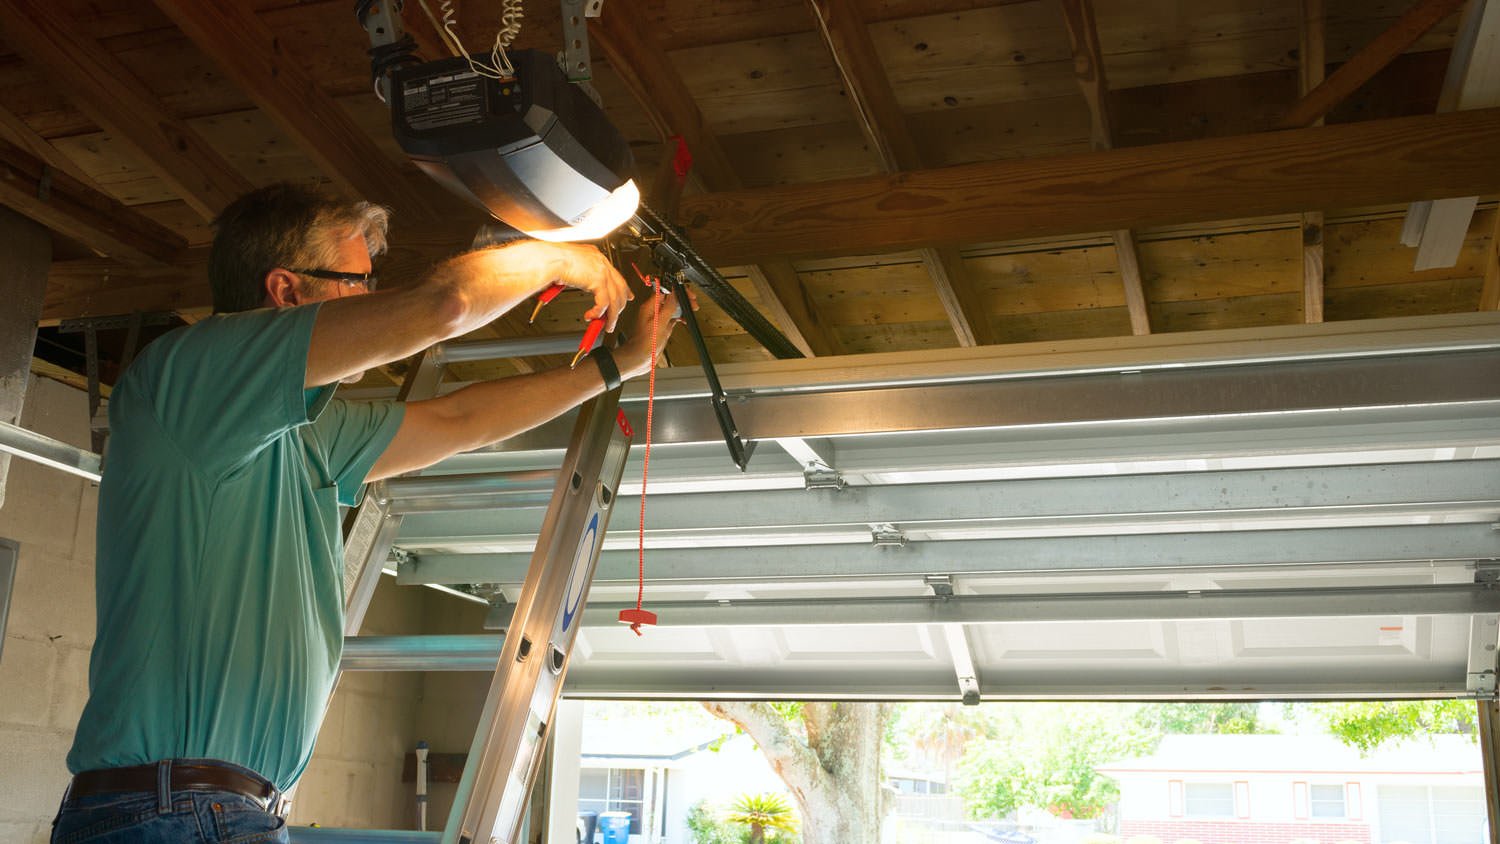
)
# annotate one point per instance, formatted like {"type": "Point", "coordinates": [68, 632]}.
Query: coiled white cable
{"type": "Point", "coordinates": [499, 66]}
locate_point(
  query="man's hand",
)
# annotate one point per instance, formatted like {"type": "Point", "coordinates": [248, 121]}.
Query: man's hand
{"type": "Point", "coordinates": [575, 265]}
{"type": "Point", "coordinates": [634, 355]}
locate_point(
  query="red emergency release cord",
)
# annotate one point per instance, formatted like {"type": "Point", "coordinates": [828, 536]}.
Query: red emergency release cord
{"type": "Point", "coordinates": [639, 616]}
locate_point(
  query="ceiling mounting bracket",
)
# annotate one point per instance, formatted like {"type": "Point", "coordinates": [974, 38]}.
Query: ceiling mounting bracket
{"type": "Point", "coordinates": [940, 584]}
{"type": "Point", "coordinates": [887, 535]}
{"type": "Point", "coordinates": [819, 476]}
{"type": "Point", "coordinates": [575, 60]}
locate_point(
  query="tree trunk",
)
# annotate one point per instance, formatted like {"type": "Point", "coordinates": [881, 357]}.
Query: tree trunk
{"type": "Point", "coordinates": [829, 760]}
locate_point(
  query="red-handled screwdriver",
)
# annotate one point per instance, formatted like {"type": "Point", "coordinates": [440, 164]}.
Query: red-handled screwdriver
{"type": "Point", "coordinates": [590, 334]}
{"type": "Point", "coordinates": [546, 296]}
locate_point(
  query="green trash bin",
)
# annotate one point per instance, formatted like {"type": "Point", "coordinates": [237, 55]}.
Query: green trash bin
{"type": "Point", "coordinates": [615, 827]}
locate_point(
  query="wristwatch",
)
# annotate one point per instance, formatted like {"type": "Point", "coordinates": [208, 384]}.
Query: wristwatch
{"type": "Point", "coordinates": [605, 360]}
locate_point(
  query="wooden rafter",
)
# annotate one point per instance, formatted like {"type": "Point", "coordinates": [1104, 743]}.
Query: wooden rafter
{"type": "Point", "coordinates": [1472, 81]}
{"type": "Point", "coordinates": [1313, 60]}
{"type": "Point", "coordinates": [1489, 296]}
{"type": "Point", "coordinates": [847, 38]}
{"type": "Point", "coordinates": [104, 89]}
{"type": "Point", "coordinates": [661, 92]}
{"type": "Point", "coordinates": [1369, 61]}
{"type": "Point", "coordinates": [62, 203]}
{"type": "Point", "coordinates": [77, 289]}
{"type": "Point", "coordinates": [250, 55]}
{"type": "Point", "coordinates": [1088, 65]}
{"type": "Point", "coordinates": [1340, 166]}
{"type": "Point", "coordinates": [16, 131]}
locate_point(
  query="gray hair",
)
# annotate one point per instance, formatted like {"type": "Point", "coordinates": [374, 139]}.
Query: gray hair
{"type": "Point", "coordinates": [284, 225]}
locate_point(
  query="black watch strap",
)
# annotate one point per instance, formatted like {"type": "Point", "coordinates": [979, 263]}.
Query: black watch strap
{"type": "Point", "coordinates": [605, 360]}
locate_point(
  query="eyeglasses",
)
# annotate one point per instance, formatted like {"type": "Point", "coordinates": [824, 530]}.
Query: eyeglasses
{"type": "Point", "coordinates": [369, 280]}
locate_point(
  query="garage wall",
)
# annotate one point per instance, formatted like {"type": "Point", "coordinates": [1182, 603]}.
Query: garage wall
{"type": "Point", "coordinates": [451, 700]}
{"type": "Point", "coordinates": [354, 778]}
{"type": "Point", "coordinates": [44, 661]}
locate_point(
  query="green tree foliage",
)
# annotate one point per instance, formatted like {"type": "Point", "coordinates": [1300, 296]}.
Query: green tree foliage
{"type": "Point", "coordinates": [1044, 755]}
{"type": "Point", "coordinates": [1368, 724]}
{"type": "Point", "coordinates": [761, 812]}
{"type": "Point", "coordinates": [936, 735]}
{"type": "Point", "coordinates": [1198, 718]}
{"type": "Point", "coordinates": [705, 827]}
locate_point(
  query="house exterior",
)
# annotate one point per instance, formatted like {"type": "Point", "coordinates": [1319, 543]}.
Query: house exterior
{"type": "Point", "coordinates": [657, 771]}
{"type": "Point", "coordinates": [1277, 789]}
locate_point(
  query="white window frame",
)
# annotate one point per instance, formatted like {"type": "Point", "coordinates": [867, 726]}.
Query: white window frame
{"type": "Point", "coordinates": [1187, 800]}
{"type": "Point", "coordinates": [1313, 801]}
{"type": "Point", "coordinates": [622, 805]}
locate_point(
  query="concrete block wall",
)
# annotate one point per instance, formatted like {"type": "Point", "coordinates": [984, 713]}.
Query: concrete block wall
{"type": "Point", "coordinates": [45, 657]}
{"type": "Point", "coordinates": [451, 700]}
{"type": "Point", "coordinates": [354, 778]}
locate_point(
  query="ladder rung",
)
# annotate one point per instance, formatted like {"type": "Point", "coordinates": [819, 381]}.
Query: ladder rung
{"type": "Point", "coordinates": [483, 490]}
{"type": "Point", "coordinates": [325, 835]}
{"type": "Point", "coordinates": [518, 347]}
{"type": "Point", "coordinates": [421, 653]}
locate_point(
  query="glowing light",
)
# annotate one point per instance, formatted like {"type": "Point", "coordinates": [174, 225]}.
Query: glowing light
{"type": "Point", "coordinates": [604, 217]}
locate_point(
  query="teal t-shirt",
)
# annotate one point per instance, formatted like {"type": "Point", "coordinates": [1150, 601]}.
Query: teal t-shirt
{"type": "Point", "coordinates": [219, 572]}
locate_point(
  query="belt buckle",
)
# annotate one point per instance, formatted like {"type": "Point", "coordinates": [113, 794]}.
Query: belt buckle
{"type": "Point", "coordinates": [278, 804]}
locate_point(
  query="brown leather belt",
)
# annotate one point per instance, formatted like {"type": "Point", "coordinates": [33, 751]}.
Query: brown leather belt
{"type": "Point", "coordinates": [185, 777]}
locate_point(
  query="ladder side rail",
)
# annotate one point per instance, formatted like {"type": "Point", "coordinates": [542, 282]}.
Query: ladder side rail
{"type": "Point", "coordinates": [371, 529]}
{"type": "Point", "coordinates": [505, 756]}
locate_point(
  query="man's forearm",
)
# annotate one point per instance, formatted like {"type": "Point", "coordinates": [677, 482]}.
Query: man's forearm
{"type": "Point", "coordinates": [491, 411]}
{"type": "Point", "coordinates": [463, 293]}
{"type": "Point", "coordinates": [484, 413]}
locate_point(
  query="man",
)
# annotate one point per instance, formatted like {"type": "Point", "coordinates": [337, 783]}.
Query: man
{"type": "Point", "coordinates": [219, 572]}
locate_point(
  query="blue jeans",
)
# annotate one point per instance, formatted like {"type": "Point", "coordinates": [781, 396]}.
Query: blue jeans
{"type": "Point", "coordinates": [170, 817]}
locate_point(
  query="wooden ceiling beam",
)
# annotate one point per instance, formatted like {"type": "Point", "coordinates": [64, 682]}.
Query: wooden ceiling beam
{"type": "Point", "coordinates": [62, 203]}
{"type": "Point", "coordinates": [104, 89]}
{"type": "Point", "coordinates": [1362, 66]}
{"type": "Point", "coordinates": [1341, 166]}
{"type": "Point", "coordinates": [656, 85]}
{"type": "Point", "coordinates": [1088, 66]}
{"type": "Point", "coordinates": [16, 131]}
{"type": "Point", "coordinates": [1489, 295]}
{"type": "Point", "coordinates": [847, 37]}
{"type": "Point", "coordinates": [1472, 81]}
{"type": "Point", "coordinates": [1313, 62]}
{"type": "Point", "coordinates": [252, 57]}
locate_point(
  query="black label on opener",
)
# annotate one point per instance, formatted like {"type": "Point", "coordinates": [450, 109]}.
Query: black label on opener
{"type": "Point", "coordinates": [452, 99]}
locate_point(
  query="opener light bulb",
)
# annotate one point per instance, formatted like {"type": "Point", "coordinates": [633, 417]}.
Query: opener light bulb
{"type": "Point", "coordinates": [605, 216]}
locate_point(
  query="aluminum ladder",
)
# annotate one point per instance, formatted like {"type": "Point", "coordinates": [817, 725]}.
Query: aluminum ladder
{"type": "Point", "coordinates": [506, 753]}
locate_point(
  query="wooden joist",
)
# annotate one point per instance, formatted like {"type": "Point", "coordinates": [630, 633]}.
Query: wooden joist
{"type": "Point", "coordinates": [884, 125]}
{"type": "Point", "coordinates": [1088, 65]}
{"type": "Point", "coordinates": [660, 90]}
{"type": "Point", "coordinates": [103, 88]}
{"type": "Point", "coordinates": [16, 131]}
{"type": "Point", "coordinates": [1472, 81]}
{"type": "Point", "coordinates": [1341, 166]}
{"type": "Point", "coordinates": [251, 55]}
{"type": "Point", "coordinates": [1361, 67]}
{"type": "Point", "coordinates": [1489, 295]}
{"type": "Point", "coordinates": [1313, 63]}
{"type": "Point", "coordinates": [60, 202]}
{"type": "Point", "coordinates": [89, 287]}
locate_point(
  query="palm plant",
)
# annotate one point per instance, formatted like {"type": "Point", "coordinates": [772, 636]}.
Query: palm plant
{"type": "Point", "coordinates": [761, 812]}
